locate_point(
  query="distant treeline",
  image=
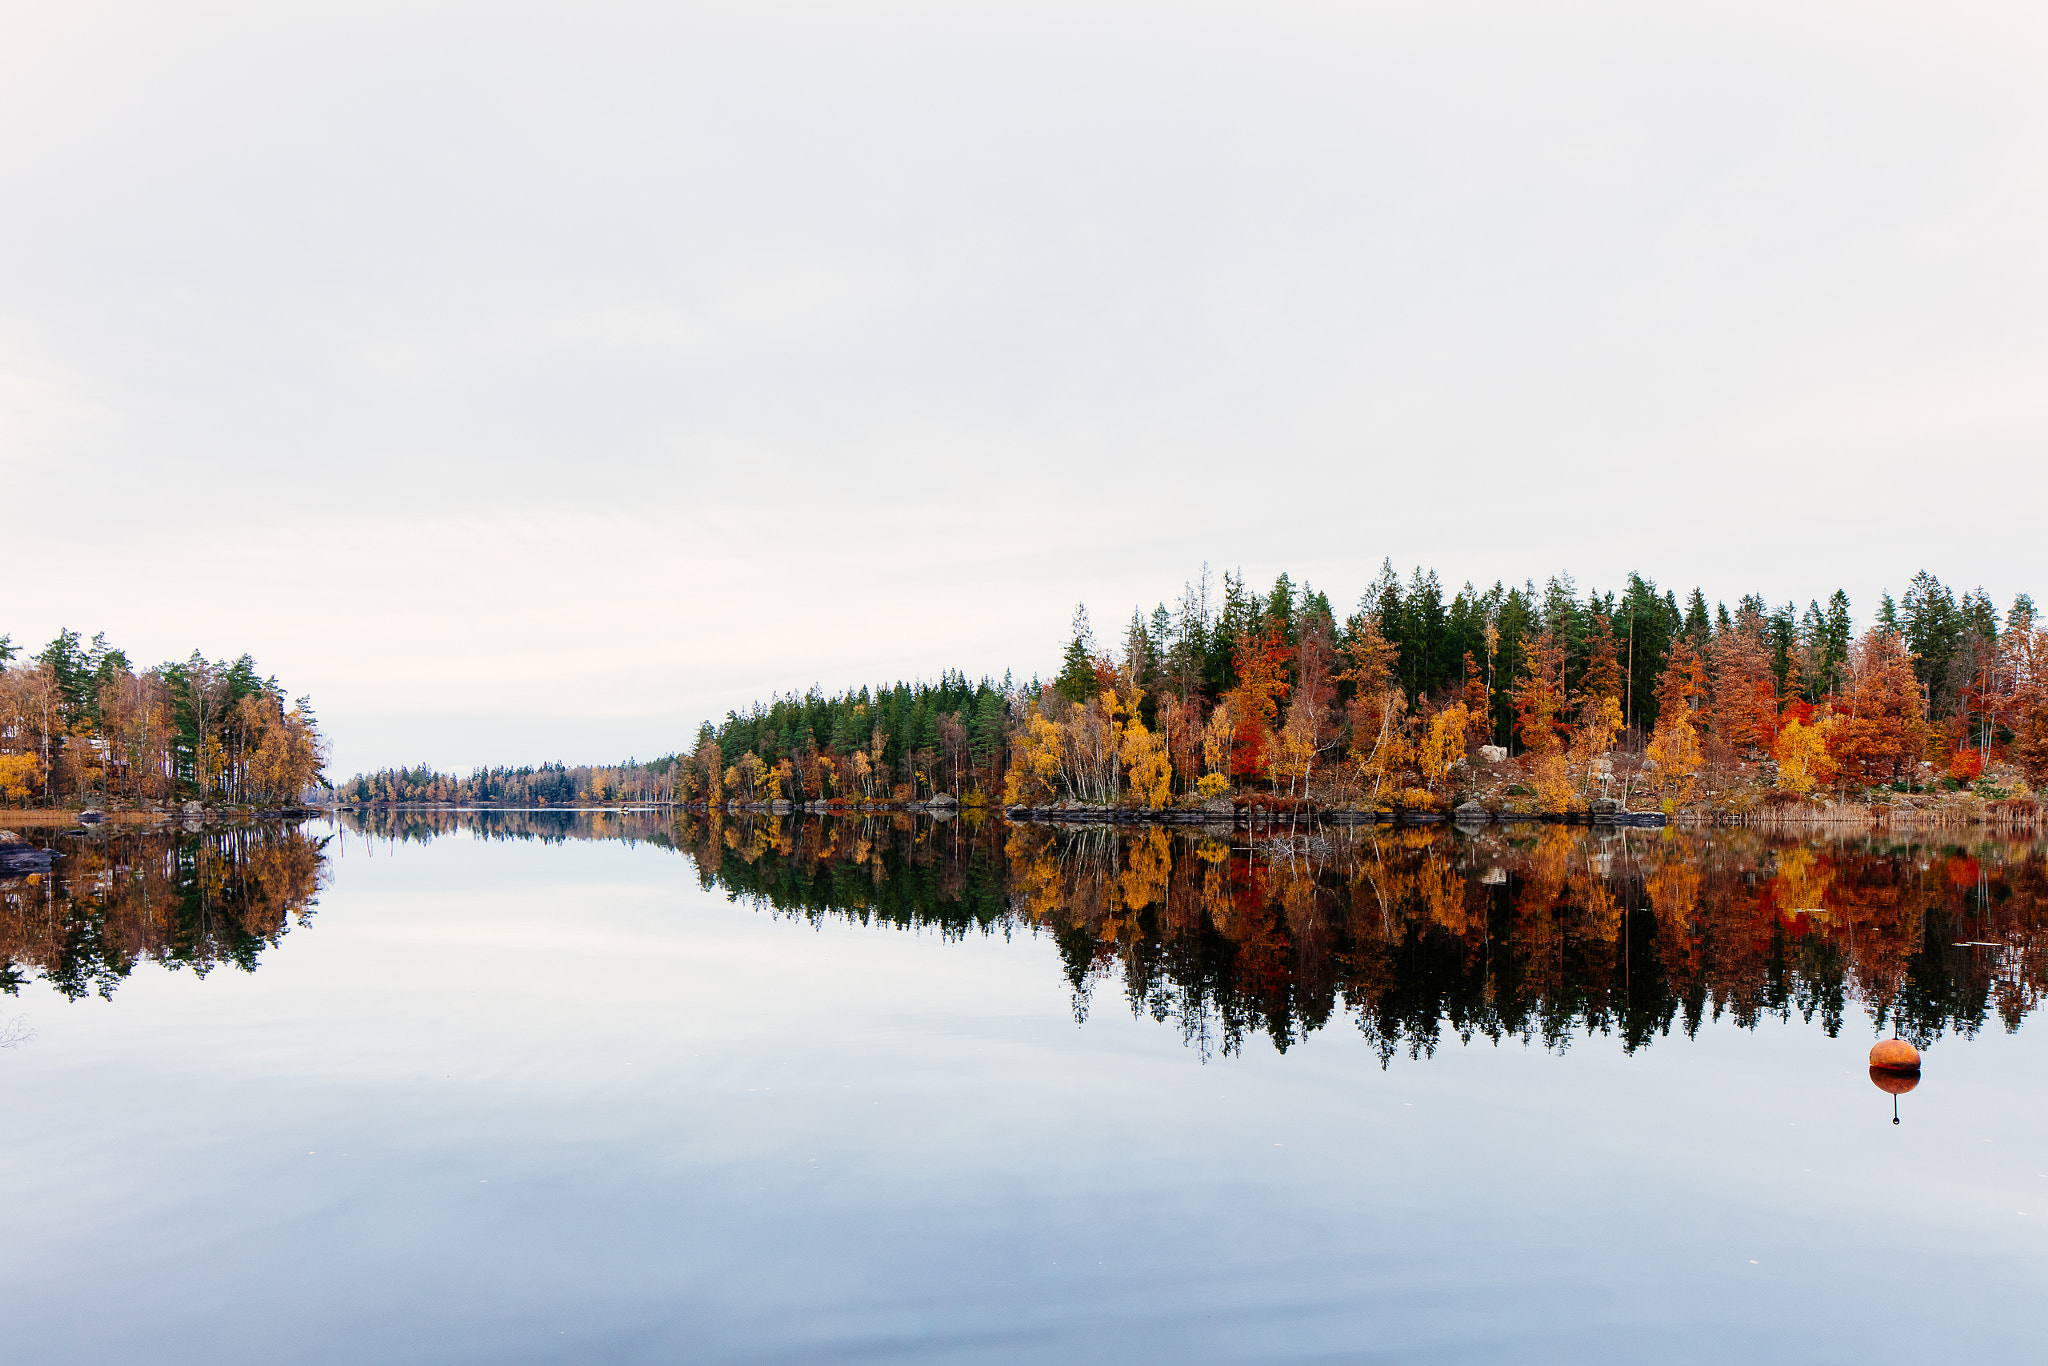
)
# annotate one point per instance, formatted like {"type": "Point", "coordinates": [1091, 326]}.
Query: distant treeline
{"type": "Point", "coordinates": [870, 743]}
{"type": "Point", "coordinates": [79, 724]}
{"type": "Point", "coordinates": [545, 785]}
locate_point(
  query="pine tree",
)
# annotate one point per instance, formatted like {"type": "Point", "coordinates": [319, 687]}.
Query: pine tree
{"type": "Point", "coordinates": [1697, 624]}
{"type": "Point", "coordinates": [1076, 679]}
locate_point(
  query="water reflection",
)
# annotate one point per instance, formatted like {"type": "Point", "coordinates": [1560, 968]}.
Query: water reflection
{"type": "Point", "coordinates": [1545, 935]}
{"type": "Point", "coordinates": [117, 897]}
{"type": "Point", "coordinates": [544, 825]}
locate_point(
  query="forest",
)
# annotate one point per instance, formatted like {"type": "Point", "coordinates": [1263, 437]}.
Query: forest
{"type": "Point", "coordinates": [1416, 698]}
{"type": "Point", "coordinates": [79, 726]}
{"type": "Point", "coordinates": [1271, 697]}
{"type": "Point", "coordinates": [854, 745]}
{"type": "Point", "coordinates": [631, 783]}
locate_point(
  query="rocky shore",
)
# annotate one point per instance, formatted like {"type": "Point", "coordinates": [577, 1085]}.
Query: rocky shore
{"type": "Point", "coordinates": [187, 815]}
{"type": "Point", "coordinates": [1493, 794]}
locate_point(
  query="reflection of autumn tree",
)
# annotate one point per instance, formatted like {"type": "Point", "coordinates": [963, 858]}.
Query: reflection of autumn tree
{"type": "Point", "coordinates": [182, 900]}
{"type": "Point", "coordinates": [1544, 933]}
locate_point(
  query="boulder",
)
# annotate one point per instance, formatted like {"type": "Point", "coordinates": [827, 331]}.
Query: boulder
{"type": "Point", "coordinates": [1471, 811]}
{"type": "Point", "coordinates": [1493, 754]}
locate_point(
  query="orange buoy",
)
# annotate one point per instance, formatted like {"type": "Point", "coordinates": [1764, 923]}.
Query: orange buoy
{"type": "Point", "coordinates": [1893, 1083]}
{"type": "Point", "coordinates": [1895, 1055]}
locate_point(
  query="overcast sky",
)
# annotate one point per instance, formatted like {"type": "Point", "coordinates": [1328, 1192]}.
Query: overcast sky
{"type": "Point", "coordinates": [529, 382]}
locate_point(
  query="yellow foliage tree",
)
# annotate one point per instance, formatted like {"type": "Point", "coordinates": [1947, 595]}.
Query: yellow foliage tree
{"type": "Point", "coordinates": [1439, 749]}
{"type": "Point", "coordinates": [18, 776]}
{"type": "Point", "coordinates": [1217, 738]}
{"type": "Point", "coordinates": [1551, 779]}
{"type": "Point", "coordinates": [1675, 750]}
{"type": "Point", "coordinates": [1034, 760]}
{"type": "Point", "coordinates": [1292, 756]}
{"type": "Point", "coordinates": [1379, 745]}
{"type": "Point", "coordinates": [1803, 757]}
{"type": "Point", "coordinates": [1147, 764]}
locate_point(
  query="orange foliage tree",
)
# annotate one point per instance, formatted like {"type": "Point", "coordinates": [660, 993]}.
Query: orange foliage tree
{"type": "Point", "coordinates": [1885, 728]}
{"type": "Point", "coordinates": [1745, 708]}
{"type": "Point", "coordinates": [1261, 663]}
{"type": "Point", "coordinates": [1539, 696]}
{"type": "Point", "coordinates": [2025, 711]}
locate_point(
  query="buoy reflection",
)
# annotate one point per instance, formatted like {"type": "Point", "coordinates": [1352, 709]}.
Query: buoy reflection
{"type": "Point", "coordinates": [1894, 1082]}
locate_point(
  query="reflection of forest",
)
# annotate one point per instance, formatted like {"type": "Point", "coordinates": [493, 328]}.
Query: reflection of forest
{"type": "Point", "coordinates": [1535, 933]}
{"type": "Point", "coordinates": [121, 896]}
{"type": "Point", "coordinates": [548, 825]}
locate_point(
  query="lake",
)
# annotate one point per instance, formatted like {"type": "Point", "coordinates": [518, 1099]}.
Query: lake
{"type": "Point", "coordinates": [608, 1087]}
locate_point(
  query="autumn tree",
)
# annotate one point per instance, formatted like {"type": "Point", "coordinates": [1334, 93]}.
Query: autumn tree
{"type": "Point", "coordinates": [2025, 713]}
{"type": "Point", "coordinates": [1260, 663]}
{"type": "Point", "coordinates": [1802, 752]}
{"type": "Point", "coordinates": [1745, 687]}
{"type": "Point", "coordinates": [1884, 730]}
{"type": "Point", "coordinates": [1478, 704]}
{"type": "Point", "coordinates": [1602, 678]}
{"type": "Point", "coordinates": [1540, 696]}
{"type": "Point", "coordinates": [1147, 764]}
{"type": "Point", "coordinates": [1375, 712]}
{"type": "Point", "coordinates": [1309, 729]}
{"type": "Point", "coordinates": [1675, 744]}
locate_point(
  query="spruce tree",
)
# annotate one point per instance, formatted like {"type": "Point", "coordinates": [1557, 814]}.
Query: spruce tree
{"type": "Point", "coordinates": [1076, 680]}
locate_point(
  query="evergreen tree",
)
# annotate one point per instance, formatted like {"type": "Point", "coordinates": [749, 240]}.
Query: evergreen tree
{"type": "Point", "coordinates": [1887, 615]}
{"type": "Point", "coordinates": [1076, 679]}
{"type": "Point", "coordinates": [1781, 633]}
{"type": "Point", "coordinates": [1697, 624]}
{"type": "Point", "coordinates": [1836, 651]}
{"type": "Point", "coordinates": [2019, 618]}
{"type": "Point", "coordinates": [1933, 629]}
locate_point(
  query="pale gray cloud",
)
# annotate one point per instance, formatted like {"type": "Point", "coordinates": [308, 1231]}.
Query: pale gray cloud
{"type": "Point", "coordinates": [530, 381]}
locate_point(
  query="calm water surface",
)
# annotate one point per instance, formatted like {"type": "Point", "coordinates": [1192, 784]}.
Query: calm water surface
{"type": "Point", "coordinates": [539, 1088]}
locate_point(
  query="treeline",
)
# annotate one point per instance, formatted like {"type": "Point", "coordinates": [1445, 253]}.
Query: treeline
{"type": "Point", "coordinates": [1272, 694]}
{"type": "Point", "coordinates": [79, 724]}
{"type": "Point", "coordinates": [632, 783]}
{"type": "Point", "coordinates": [901, 741]}
{"type": "Point", "coordinates": [908, 741]}
{"type": "Point", "coordinates": [1274, 697]}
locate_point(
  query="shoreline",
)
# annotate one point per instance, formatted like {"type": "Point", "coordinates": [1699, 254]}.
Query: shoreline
{"type": "Point", "coordinates": [91, 818]}
{"type": "Point", "coordinates": [1947, 814]}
